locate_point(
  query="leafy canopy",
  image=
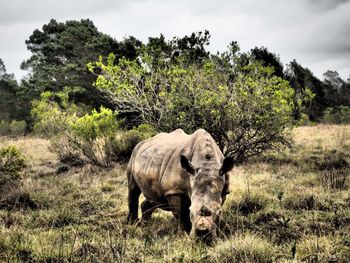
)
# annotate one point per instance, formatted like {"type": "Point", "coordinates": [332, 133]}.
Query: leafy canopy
{"type": "Point", "coordinates": [246, 116]}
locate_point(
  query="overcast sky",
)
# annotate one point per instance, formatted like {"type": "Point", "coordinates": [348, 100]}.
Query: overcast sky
{"type": "Point", "coordinates": [314, 32]}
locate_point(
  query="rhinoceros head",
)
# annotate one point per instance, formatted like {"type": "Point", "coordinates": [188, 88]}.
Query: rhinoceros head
{"type": "Point", "coordinates": [207, 181]}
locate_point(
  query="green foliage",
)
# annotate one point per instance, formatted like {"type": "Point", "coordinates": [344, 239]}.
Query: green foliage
{"type": "Point", "coordinates": [246, 116]}
{"type": "Point", "coordinates": [268, 59]}
{"type": "Point", "coordinates": [127, 140]}
{"type": "Point", "coordinates": [338, 115]}
{"type": "Point", "coordinates": [303, 82]}
{"type": "Point", "coordinates": [95, 125]}
{"type": "Point", "coordinates": [89, 137]}
{"type": "Point", "coordinates": [53, 112]}
{"type": "Point", "coordinates": [11, 164]}
{"type": "Point", "coordinates": [95, 137]}
{"type": "Point", "coordinates": [60, 52]}
{"type": "Point", "coordinates": [12, 128]}
{"type": "Point", "coordinates": [12, 107]}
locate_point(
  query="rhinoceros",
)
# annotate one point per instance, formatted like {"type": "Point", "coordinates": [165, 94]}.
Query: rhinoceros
{"type": "Point", "coordinates": [185, 174]}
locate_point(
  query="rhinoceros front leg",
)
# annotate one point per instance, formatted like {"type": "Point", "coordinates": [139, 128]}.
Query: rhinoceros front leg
{"type": "Point", "coordinates": [133, 200]}
{"type": "Point", "coordinates": [180, 206]}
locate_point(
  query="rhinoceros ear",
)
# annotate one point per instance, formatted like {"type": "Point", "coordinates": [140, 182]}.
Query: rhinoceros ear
{"type": "Point", "coordinates": [186, 164]}
{"type": "Point", "coordinates": [227, 165]}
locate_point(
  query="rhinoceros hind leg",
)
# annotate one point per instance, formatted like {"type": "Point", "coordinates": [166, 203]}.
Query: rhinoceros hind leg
{"type": "Point", "coordinates": [133, 200]}
{"type": "Point", "coordinates": [147, 208]}
{"type": "Point", "coordinates": [179, 205]}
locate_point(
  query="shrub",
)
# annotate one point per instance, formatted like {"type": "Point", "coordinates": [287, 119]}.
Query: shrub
{"type": "Point", "coordinates": [65, 151]}
{"type": "Point", "coordinates": [337, 115]}
{"type": "Point", "coordinates": [53, 112]}
{"type": "Point", "coordinates": [4, 128]}
{"type": "Point", "coordinates": [246, 115]}
{"type": "Point", "coordinates": [125, 144]}
{"type": "Point", "coordinates": [12, 128]}
{"type": "Point", "coordinates": [75, 137]}
{"type": "Point", "coordinates": [11, 164]}
{"type": "Point", "coordinates": [18, 127]}
{"type": "Point", "coordinates": [94, 137]}
{"type": "Point", "coordinates": [93, 134]}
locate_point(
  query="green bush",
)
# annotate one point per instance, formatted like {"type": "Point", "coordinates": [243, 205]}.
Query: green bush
{"type": "Point", "coordinates": [337, 115]}
{"type": "Point", "coordinates": [126, 141]}
{"type": "Point", "coordinates": [12, 128]}
{"type": "Point", "coordinates": [11, 164]}
{"type": "Point", "coordinates": [88, 138]}
{"type": "Point", "coordinates": [53, 112]}
{"type": "Point", "coordinates": [5, 128]}
{"type": "Point", "coordinates": [77, 138]}
{"type": "Point", "coordinates": [246, 116]}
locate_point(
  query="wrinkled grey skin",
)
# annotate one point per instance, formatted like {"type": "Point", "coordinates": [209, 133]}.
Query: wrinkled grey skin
{"type": "Point", "coordinates": [185, 174]}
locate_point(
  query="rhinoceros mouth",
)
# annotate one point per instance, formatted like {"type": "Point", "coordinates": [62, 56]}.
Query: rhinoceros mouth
{"type": "Point", "coordinates": [204, 235]}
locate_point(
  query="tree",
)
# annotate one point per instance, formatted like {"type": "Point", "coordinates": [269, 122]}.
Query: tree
{"type": "Point", "coordinates": [246, 117]}
{"type": "Point", "coordinates": [338, 89]}
{"type": "Point", "coordinates": [304, 82]}
{"type": "Point", "coordinates": [268, 59]}
{"type": "Point", "coordinates": [60, 52]}
{"type": "Point", "coordinates": [11, 107]}
{"type": "Point", "coordinates": [333, 79]}
{"type": "Point", "coordinates": [191, 49]}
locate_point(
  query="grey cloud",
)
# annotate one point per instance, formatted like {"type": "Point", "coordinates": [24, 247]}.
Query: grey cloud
{"type": "Point", "coordinates": [33, 11]}
{"type": "Point", "coordinates": [313, 32]}
{"type": "Point", "coordinates": [326, 5]}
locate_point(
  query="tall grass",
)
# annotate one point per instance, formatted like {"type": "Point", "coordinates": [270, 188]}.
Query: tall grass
{"type": "Point", "coordinates": [285, 207]}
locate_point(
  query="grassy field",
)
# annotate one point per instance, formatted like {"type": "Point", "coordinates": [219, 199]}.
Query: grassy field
{"type": "Point", "coordinates": [293, 206]}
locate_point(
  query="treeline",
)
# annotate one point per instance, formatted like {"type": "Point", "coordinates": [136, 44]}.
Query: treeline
{"type": "Point", "coordinates": [62, 51]}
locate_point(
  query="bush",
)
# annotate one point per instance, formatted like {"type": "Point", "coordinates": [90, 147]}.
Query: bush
{"type": "Point", "coordinates": [78, 138]}
{"type": "Point", "coordinates": [11, 164]}
{"type": "Point", "coordinates": [53, 112]}
{"type": "Point", "coordinates": [337, 115]}
{"type": "Point", "coordinates": [12, 128]}
{"type": "Point", "coordinates": [93, 134]}
{"type": "Point", "coordinates": [5, 128]}
{"type": "Point", "coordinates": [87, 139]}
{"type": "Point", "coordinates": [125, 144]}
{"type": "Point", "coordinates": [246, 116]}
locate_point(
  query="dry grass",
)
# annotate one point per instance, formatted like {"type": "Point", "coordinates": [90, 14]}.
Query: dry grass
{"type": "Point", "coordinates": [281, 209]}
{"type": "Point", "coordinates": [325, 137]}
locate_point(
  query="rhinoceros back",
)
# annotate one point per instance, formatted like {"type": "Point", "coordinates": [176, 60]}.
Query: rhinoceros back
{"type": "Point", "coordinates": [155, 164]}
